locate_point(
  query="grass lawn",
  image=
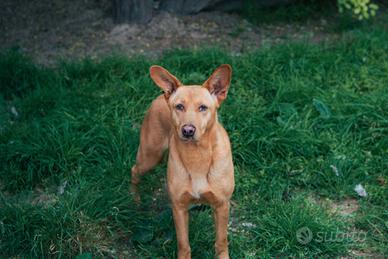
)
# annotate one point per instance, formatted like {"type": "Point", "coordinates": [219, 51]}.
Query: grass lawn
{"type": "Point", "coordinates": [307, 122]}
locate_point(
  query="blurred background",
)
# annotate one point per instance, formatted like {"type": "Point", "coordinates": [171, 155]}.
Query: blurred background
{"type": "Point", "coordinates": [49, 30]}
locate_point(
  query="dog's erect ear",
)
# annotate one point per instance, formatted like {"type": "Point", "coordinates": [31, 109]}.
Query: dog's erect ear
{"type": "Point", "coordinates": [167, 82]}
{"type": "Point", "coordinates": [219, 82]}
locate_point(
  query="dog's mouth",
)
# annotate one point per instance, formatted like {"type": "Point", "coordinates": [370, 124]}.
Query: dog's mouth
{"type": "Point", "coordinates": [188, 139]}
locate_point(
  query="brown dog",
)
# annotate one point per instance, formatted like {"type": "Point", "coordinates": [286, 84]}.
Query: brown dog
{"type": "Point", "coordinates": [200, 166]}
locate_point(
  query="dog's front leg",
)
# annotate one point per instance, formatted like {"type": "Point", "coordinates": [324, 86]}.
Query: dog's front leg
{"type": "Point", "coordinates": [221, 217]}
{"type": "Point", "coordinates": [181, 220]}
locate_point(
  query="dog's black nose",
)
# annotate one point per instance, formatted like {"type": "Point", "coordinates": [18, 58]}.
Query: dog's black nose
{"type": "Point", "coordinates": [188, 131]}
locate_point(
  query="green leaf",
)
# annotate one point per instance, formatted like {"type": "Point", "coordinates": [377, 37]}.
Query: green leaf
{"type": "Point", "coordinates": [322, 108]}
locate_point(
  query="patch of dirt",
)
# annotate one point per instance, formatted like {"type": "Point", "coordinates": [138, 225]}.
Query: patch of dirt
{"type": "Point", "coordinates": [51, 30]}
{"type": "Point", "coordinates": [40, 197]}
{"type": "Point", "coordinates": [363, 254]}
{"type": "Point", "coordinates": [345, 207]}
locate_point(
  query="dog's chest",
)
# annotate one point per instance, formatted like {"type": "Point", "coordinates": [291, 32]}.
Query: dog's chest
{"type": "Point", "coordinates": [199, 185]}
{"type": "Point", "coordinates": [189, 177]}
{"type": "Point", "coordinates": [198, 172]}
{"type": "Point", "coordinates": [198, 178]}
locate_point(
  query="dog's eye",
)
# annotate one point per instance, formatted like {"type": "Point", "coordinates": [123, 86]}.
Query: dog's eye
{"type": "Point", "coordinates": [202, 108]}
{"type": "Point", "coordinates": [179, 107]}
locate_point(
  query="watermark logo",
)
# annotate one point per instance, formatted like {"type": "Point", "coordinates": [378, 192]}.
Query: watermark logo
{"type": "Point", "coordinates": [304, 235]}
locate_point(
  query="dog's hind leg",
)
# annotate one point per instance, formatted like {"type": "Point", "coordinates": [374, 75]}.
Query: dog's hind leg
{"type": "Point", "coordinates": [154, 135]}
{"type": "Point", "coordinates": [149, 154]}
{"type": "Point", "coordinates": [146, 159]}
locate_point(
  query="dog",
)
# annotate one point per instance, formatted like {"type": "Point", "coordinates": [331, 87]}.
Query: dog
{"type": "Point", "coordinates": [200, 166]}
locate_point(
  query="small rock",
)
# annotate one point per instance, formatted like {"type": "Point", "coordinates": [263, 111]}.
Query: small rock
{"type": "Point", "coordinates": [14, 112]}
{"type": "Point", "coordinates": [248, 225]}
{"type": "Point", "coordinates": [360, 190]}
{"type": "Point", "coordinates": [62, 187]}
{"type": "Point", "coordinates": [335, 169]}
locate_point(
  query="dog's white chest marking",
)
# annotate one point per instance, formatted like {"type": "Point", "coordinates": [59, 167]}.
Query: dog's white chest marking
{"type": "Point", "coordinates": [198, 185]}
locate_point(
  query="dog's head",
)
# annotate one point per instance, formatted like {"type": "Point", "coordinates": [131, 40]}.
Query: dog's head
{"type": "Point", "coordinates": [193, 107]}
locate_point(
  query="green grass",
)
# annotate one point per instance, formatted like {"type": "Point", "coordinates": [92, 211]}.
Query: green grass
{"type": "Point", "coordinates": [294, 111]}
